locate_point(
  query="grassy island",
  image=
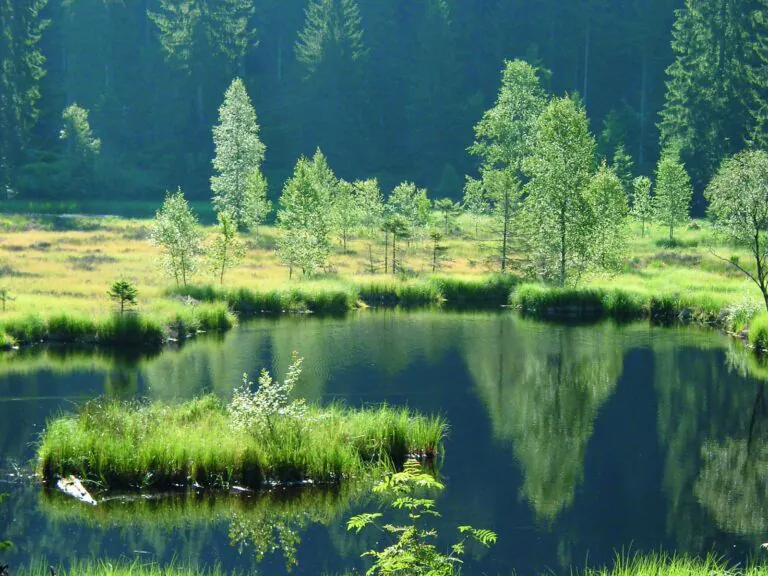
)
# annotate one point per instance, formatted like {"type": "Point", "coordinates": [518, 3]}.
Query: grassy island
{"type": "Point", "coordinates": [155, 446]}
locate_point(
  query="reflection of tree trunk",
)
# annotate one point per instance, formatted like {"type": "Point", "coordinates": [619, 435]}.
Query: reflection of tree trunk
{"type": "Point", "coordinates": [757, 405]}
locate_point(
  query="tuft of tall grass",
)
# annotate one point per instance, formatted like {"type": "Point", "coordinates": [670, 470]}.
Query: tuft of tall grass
{"type": "Point", "coordinates": [391, 292]}
{"type": "Point", "coordinates": [25, 329]}
{"type": "Point", "coordinates": [577, 303]}
{"type": "Point", "coordinates": [139, 446]}
{"type": "Point", "coordinates": [477, 292]}
{"type": "Point", "coordinates": [130, 330]}
{"type": "Point", "coordinates": [665, 565]}
{"type": "Point", "coordinates": [122, 567]}
{"type": "Point", "coordinates": [758, 332]}
{"type": "Point", "coordinates": [71, 329]}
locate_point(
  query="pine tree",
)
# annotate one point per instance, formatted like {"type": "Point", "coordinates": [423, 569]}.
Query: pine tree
{"type": "Point", "coordinates": [22, 68]}
{"type": "Point", "coordinates": [716, 88]}
{"type": "Point", "coordinates": [623, 166]}
{"type": "Point", "coordinates": [239, 153]}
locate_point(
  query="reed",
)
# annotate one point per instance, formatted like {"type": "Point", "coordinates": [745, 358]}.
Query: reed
{"type": "Point", "coordinates": [120, 567]}
{"type": "Point", "coordinates": [155, 446]}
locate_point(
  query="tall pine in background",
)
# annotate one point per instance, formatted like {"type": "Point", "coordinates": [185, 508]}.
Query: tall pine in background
{"type": "Point", "coordinates": [21, 70]}
{"type": "Point", "coordinates": [716, 88]}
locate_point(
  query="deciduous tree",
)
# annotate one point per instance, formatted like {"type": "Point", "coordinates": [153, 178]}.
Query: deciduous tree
{"type": "Point", "coordinates": [642, 205]}
{"type": "Point", "coordinates": [176, 232]}
{"type": "Point", "coordinates": [672, 200]}
{"type": "Point", "coordinates": [225, 249]}
{"type": "Point", "coordinates": [738, 196]}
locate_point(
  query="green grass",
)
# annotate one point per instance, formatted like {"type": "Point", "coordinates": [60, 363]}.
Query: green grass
{"type": "Point", "coordinates": [758, 332]}
{"type": "Point", "coordinates": [130, 329]}
{"type": "Point", "coordinates": [578, 303]}
{"type": "Point", "coordinates": [664, 565]}
{"type": "Point", "coordinates": [157, 446]}
{"type": "Point", "coordinates": [122, 567]}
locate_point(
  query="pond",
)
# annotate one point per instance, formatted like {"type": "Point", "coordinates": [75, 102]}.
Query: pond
{"type": "Point", "coordinates": [571, 442]}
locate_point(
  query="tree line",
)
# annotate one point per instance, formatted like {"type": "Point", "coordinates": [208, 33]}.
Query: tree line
{"type": "Point", "coordinates": [388, 89]}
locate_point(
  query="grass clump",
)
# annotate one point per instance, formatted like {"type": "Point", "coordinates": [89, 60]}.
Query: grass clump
{"type": "Point", "coordinates": [758, 332]}
{"type": "Point", "coordinates": [477, 292]}
{"type": "Point", "coordinates": [70, 329]}
{"type": "Point", "coordinates": [577, 303]}
{"type": "Point", "coordinates": [664, 565]}
{"type": "Point", "coordinates": [122, 567]}
{"type": "Point", "coordinates": [130, 330]}
{"type": "Point", "coordinates": [141, 446]}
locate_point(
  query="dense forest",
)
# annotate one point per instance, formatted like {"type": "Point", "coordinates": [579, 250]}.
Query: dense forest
{"type": "Point", "coordinates": [387, 88]}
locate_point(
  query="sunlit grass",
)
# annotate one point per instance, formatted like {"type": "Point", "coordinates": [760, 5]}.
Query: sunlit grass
{"type": "Point", "coordinates": [664, 565]}
{"type": "Point", "coordinates": [135, 446]}
{"type": "Point", "coordinates": [124, 567]}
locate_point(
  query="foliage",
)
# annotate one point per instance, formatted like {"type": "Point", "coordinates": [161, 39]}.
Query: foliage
{"type": "Point", "coordinates": [304, 217]}
{"type": "Point", "coordinates": [82, 145]}
{"type": "Point", "coordinates": [371, 205]}
{"type": "Point", "coordinates": [226, 249]}
{"type": "Point", "coordinates": [175, 230]}
{"type": "Point", "coordinates": [608, 205]}
{"type": "Point", "coordinates": [439, 250]}
{"type": "Point", "coordinates": [5, 296]}
{"type": "Point", "coordinates": [448, 211]}
{"type": "Point", "coordinates": [412, 204]}
{"type": "Point", "coordinates": [413, 551]}
{"type": "Point", "coordinates": [758, 332]}
{"type": "Point", "coordinates": [623, 166]}
{"type": "Point", "coordinates": [503, 136]}
{"type": "Point", "coordinates": [124, 293]}
{"type": "Point", "coordinates": [475, 202]}
{"type": "Point", "coordinates": [257, 205]}
{"type": "Point", "coordinates": [642, 202]}
{"type": "Point", "coordinates": [398, 226]}
{"type": "Point", "coordinates": [672, 199]}
{"type": "Point", "coordinates": [503, 190]}
{"type": "Point", "coordinates": [738, 197]}
{"type": "Point", "coordinates": [346, 210]}
{"type": "Point", "coordinates": [256, 411]}
{"type": "Point", "coordinates": [4, 544]}
{"type": "Point", "coordinates": [559, 219]}
{"type": "Point", "coordinates": [239, 187]}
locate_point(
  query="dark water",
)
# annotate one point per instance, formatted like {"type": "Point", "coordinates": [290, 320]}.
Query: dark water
{"type": "Point", "coordinates": [570, 442]}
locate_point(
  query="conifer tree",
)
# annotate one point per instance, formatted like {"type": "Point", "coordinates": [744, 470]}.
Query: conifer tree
{"type": "Point", "coordinates": [716, 88]}
{"type": "Point", "coordinates": [238, 186]}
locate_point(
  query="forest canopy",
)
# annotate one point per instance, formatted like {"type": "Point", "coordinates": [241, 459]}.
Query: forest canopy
{"type": "Point", "coordinates": [389, 89]}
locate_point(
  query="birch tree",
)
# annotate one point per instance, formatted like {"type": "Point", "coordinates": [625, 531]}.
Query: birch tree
{"type": "Point", "coordinates": [176, 232]}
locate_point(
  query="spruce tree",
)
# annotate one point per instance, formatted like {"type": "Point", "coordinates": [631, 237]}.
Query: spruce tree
{"type": "Point", "coordinates": [237, 187]}
{"type": "Point", "coordinates": [716, 88]}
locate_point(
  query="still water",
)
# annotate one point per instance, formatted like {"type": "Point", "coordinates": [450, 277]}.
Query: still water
{"type": "Point", "coordinates": [571, 442]}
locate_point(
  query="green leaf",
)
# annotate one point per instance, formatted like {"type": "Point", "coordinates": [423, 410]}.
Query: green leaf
{"type": "Point", "coordinates": [357, 523]}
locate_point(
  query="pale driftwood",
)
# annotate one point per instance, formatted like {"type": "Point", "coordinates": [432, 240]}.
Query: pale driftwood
{"type": "Point", "coordinates": [71, 486]}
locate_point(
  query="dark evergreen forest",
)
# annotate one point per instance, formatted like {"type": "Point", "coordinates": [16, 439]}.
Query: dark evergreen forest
{"type": "Point", "coordinates": [387, 88]}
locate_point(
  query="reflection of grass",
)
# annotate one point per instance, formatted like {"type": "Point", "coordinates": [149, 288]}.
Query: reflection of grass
{"type": "Point", "coordinates": [663, 565]}
{"type": "Point", "coordinates": [157, 446]}
{"type": "Point", "coordinates": [262, 522]}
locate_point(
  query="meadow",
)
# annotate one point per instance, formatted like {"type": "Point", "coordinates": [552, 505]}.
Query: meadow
{"type": "Point", "coordinates": [60, 267]}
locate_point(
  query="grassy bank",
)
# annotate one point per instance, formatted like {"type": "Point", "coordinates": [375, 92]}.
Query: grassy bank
{"type": "Point", "coordinates": [488, 291]}
{"type": "Point", "coordinates": [115, 568]}
{"type": "Point", "coordinates": [156, 446]}
{"type": "Point", "coordinates": [142, 330]}
{"type": "Point", "coordinates": [592, 303]}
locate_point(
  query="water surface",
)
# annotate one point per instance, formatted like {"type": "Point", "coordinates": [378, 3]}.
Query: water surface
{"type": "Point", "coordinates": [569, 441]}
